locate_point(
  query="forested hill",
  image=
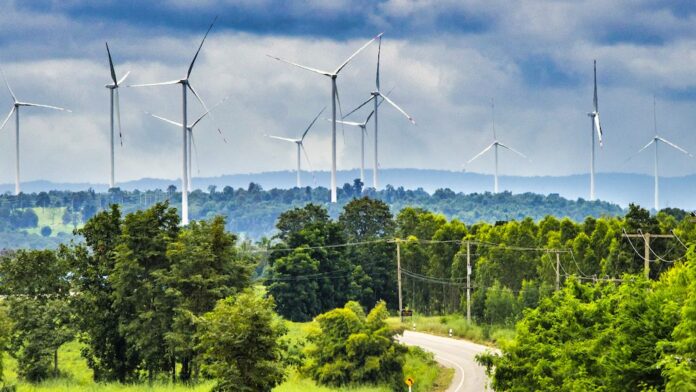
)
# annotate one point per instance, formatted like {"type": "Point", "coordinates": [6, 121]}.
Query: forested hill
{"type": "Point", "coordinates": [40, 220]}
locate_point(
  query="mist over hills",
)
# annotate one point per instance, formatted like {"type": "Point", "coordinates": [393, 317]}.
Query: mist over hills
{"type": "Point", "coordinates": [619, 188]}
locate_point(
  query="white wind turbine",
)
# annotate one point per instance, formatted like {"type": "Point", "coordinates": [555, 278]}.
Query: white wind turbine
{"type": "Point", "coordinates": [334, 97]}
{"type": "Point", "coordinates": [115, 103]}
{"type": "Point", "coordinates": [300, 145]}
{"type": "Point", "coordinates": [15, 109]}
{"type": "Point", "coordinates": [495, 146]}
{"type": "Point", "coordinates": [373, 98]}
{"type": "Point", "coordinates": [363, 133]}
{"type": "Point", "coordinates": [656, 140]}
{"type": "Point", "coordinates": [185, 86]}
{"type": "Point", "coordinates": [596, 127]}
{"type": "Point", "coordinates": [191, 141]}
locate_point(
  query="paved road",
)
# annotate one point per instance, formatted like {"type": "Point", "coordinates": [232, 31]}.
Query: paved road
{"type": "Point", "coordinates": [469, 376]}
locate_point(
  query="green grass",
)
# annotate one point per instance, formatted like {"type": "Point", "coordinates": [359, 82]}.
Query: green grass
{"type": "Point", "coordinates": [77, 377]}
{"type": "Point", "coordinates": [53, 218]}
{"type": "Point", "coordinates": [440, 325]}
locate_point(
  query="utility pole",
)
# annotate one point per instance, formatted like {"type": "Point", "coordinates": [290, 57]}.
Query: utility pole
{"type": "Point", "coordinates": [558, 270]}
{"type": "Point", "coordinates": [468, 282]}
{"type": "Point", "coordinates": [398, 277]}
{"type": "Point", "coordinates": [646, 252]}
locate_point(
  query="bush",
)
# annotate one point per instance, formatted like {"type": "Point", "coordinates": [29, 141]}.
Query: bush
{"type": "Point", "coordinates": [350, 348]}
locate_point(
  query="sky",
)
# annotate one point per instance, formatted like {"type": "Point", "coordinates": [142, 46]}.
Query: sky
{"type": "Point", "coordinates": [444, 59]}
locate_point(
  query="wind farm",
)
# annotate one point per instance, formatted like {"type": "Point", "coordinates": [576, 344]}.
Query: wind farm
{"type": "Point", "coordinates": [211, 231]}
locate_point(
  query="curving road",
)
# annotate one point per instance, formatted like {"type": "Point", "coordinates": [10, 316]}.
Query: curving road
{"type": "Point", "coordinates": [469, 376]}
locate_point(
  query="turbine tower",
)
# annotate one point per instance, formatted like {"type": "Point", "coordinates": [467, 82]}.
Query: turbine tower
{"type": "Point", "coordinates": [300, 145]}
{"type": "Point", "coordinates": [189, 131]}
{"type": "Point", "coordinates": [15, 109]}
{"type": "Point", "coordinates": [334, 97]}
{"type": "Point", "coordinates": [596, 127]}
{"type": "Point", "coordinates": [115, 104]}
{"type": "Point", "coordinates": [185, 86]}
{"type": "Point", "coordinates": [373, 98]}
{"type": "Point", "coordinates": [656, 140]}
{"type": "Point", "coordinates": [363, 133]}
{"type": "Point", "coordinates": [495, 146]}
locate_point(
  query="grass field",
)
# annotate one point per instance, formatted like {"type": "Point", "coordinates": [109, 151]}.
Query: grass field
{"type": "Point", "coordinates": [77, 377]}
{"type": "Point", "coordinates": [440, 325]}
{"type": "Point", "coordinates": [53, 218]}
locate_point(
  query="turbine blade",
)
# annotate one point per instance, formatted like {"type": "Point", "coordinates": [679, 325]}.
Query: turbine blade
{"type": "Point", "coordinates": [360, 106]}
{"type": "Point", "coordinates": [340, 112]}
{"type": "Point", "coordinates": [596, 103]}
{"type": "Point", "coordinates": [309, 164]}
{"type": "Point", "coordinates": [301, 66]}
{"type": "Point", "coordinates": [156, 84]}
{"type": "Point", "coordinates": [118, 116]}
{"type": "Point", "coordinates": [46, 106]}
{"type": "Point", "coordinates": [674, 146]}
{"type": "Point", "coordinates": [513, 150]}
{"type": "Point", "coordinates": [340, 67]}
{"type": "Point", "coordinates": [355, 124]}
{"type": "Point", "coordinates": [209, 111]}
{"type": "Point", "coordinates": [598, 127]}
{"type": "Point", "coordinates": [282, 138]}
{"type": "Point", "coordinates": [111, 64]}
{"type": "Point", "coordinates": [123, 78]}
{"type": "Point", "coordinates": [646, 146]}
{"type": "Point", "coordinates": [8, 117]}
{"type": "Point", "coordinates": [389, 101]}
{"type": "Point", "coordinates": [199, 49]}
{"type": "Point", "coordinates": [195, 94]}
{"type": "Point", "coordinates": [8, 85]}
{"type": "Point", "coordinates": [312, 123]}
{"type": "Point", "coordinates": [482, 152]}
{"type": "Point", "coordinates": [369, 116]}
{"type": "Point", "coordinates": [379, 52]}
{"type": "Point", "coordinates": [165, 119]}
{"type": "Point", "coordinates": [195, 155]}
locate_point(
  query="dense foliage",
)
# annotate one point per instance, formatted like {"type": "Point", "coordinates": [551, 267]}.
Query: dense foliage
{"type": "Point", "coordinates": [252, 212]}
{"type": "Point", "coordinates": [633, 335]}
{"type": "Point", "coordinates": [133, 290]}
{"type": "Point", "coordinates": [513, 263]}
{"type": "Point", "coordinates": [352, 348]}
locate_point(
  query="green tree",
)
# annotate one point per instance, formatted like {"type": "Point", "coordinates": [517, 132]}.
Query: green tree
{"type": "Point", "coordinates": [204, 268]}
{"type": "Point", "coordinates": [37, 290]}
{"type": "Point", "coordinates": [240, 344]}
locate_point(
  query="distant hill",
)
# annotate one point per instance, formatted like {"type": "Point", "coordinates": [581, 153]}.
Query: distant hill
{"type": "Point", "coordinates": [619, 188]}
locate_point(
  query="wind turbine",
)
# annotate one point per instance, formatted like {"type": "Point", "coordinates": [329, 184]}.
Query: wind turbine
{"type": "Point", "coordinates": [334, 97]}
{"type": "Point", "coordinates": [113, 90]}
{"type": "Point", "coordinates": [15, 109]}
{"type": "Point", "coordinates": [495, 146]}
{"type": "Point", "coordinates": [373, 97]}
{"type": "Point", "coordinates": [596, 127]}
{"type": "Point", "coordinates": [185, 86]}
{"type": "Point", "coordinates": [656, 140]}
{"type": "Point", "coordinates": [189, 130]}
{"type": "Point", "coordinates": [300, 145]}
{"type": "Point", "coordinates": [363, 132]}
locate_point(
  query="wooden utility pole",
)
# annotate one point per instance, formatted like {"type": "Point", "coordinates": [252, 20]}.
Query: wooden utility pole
{"type": "Point", "coordinates": [558, 270]}
{"type": "Point", "coordinates": [646, 252]}
{"type": "Point", "coordinates": [468, 282]}
{"type": "Point", "coordinates": [398, 278]}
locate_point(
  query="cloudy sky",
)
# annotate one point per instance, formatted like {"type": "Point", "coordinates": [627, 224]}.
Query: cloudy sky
{"type": "Point", "coordinates": [445, 60]}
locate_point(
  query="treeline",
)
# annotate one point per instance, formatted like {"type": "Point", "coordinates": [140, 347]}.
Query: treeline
{"type": "Point", "coordinates": [635, 335]}
{"type": "Point", "coordinates": [252, 212]}
{"type": "Point", "coordinates": [147, 298]}
{"type": "Point", "coordinates": [317, 263]}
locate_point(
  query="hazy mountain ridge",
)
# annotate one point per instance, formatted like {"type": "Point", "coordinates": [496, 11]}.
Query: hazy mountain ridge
{"type": "Point", "coordinates": [619, 188]}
